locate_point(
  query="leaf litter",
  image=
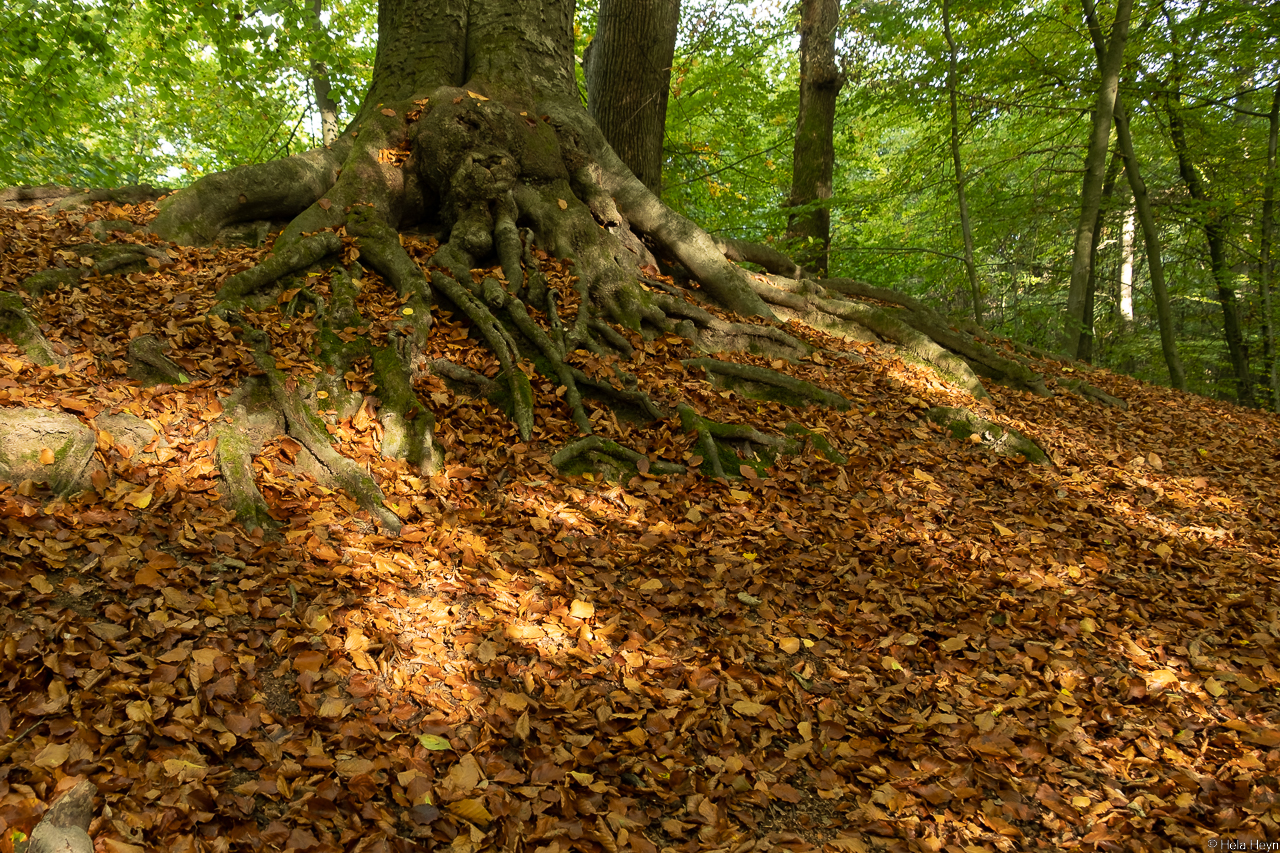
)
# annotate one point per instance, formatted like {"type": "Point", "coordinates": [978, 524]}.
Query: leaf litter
{"type": "Point", "coordinates": [926, 648]}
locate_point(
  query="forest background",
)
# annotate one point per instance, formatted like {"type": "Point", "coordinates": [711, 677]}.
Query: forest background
{"type": "Point", "coordinates": [112, 93]}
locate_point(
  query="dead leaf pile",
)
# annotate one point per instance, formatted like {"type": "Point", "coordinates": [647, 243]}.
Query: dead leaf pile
{"type": "Point", "coordinates": [926, 648]}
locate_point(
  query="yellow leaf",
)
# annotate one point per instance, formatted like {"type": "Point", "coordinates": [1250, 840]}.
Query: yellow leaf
{"type": "Point", "coordinates": [749, 709]}
{"type": "Point", "coordinates": [53, 755]}
{"type": "Point", "coordinates": [141, 499]}
{"type": "Point", "coordinates": [582, 610]}
{"type": "Point", "coordinates": [407, 312]}
{"type": "Point", "coordinates": [465, 775]}
{"type": "Point", "coordinates": [1161, 679]}
{"type": "Point", "coordinates": [472, 810]}
{"type": "Point", "coordinates": [564, 205]}
{"type": "Point", "coordinates": [1001, 529]}
{"type": "Point", "coordinates": [790, 645]}
{"type": "Point", "coordinates": [115, 845]}
{"type": "Point", "coordinates": [46, 456]}
{"type": "Point", "coordinates": [739, 495]}
{"type": "Point", "coordinates": [40, 584]}
{"type": "Point", "coordinates": [477, 96]}
{"type": "Point", "coordinates": [1163, 550]}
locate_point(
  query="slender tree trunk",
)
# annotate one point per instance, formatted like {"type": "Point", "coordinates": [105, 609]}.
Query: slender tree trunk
{"type": "Point", "coordinates": [1211, 222]}
{"type": "Point", "coordinates": [1215, 233]}
{"type": "Point", "coordinates": [966, 230]}
{"type": "Point", "coordinates": [813, 161]}
{"type": "Point", "coordinates": [320, 86]}
{"type": "Point", "coordinates": [1095, 166]}
{"type": "Point", "coordinates": [1085, 347]}
{"type": "Point", "coordinates": [1264, 261]}
{"type": "Point", "coordinates": [1142, 206]}
{"type": "Point", "coordinates": [1126, 266]}
{"type": "Point", "coordinates": [1151, 241]}
{"type": "Point", "coordinates": [628, 71]}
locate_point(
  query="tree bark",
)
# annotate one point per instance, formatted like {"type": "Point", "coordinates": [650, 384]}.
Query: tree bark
{"type": "Point", "coordinates": [628, 71]}
{"type": "Point", "coordinates": [1215, 233]}
{"type": "Point", "coordinates": [1095, 165]}
{"type": "Point", "coordinates": [1142, 206]}
{"type": "Point", "coordinates": [1265, 283]}
{"type": "Point", "coordinates": [1126, 266]}
{"type": "Point", "coordinates": [1085, 346]}
{"type": "Point", "coordinates": [320, 86]}
{"type": "Point", "coordinates": [966, 230]}
{"type": "Point", "coordinates": [813, 160]}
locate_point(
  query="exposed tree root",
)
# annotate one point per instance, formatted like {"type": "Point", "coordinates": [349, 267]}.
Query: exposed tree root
{"type": "Point", "coordinates": [149, 364]}
{"type": "Point", "coordinates": [1089, 392]}
{"type": "Point", "coordinates": [775, 262]}
{"type": "Point", "coordinates": [761, 383]}
{"type": "Point", "coordinates": [16, 325]}
{"type": "Point", "coordinates": [503, 187]}
{"type": "Point", "coordinates": [1006, 441]}
{"type": "Point", "coordinates": [725, 448]}
{"type": "Point", "coordinates": [248, 421]}
{"type": "Point", "coordinates": [609, 458]}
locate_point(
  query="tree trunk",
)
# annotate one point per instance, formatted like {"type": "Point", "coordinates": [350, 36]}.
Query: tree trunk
{"type": "Point", "coordinates": [1095, 166]}
{"type": "Point", "coordinates": [1151, 240]}
{"type": "Point", "coordinates": [1265, 282]}
{"type": "Point", "coordinates": [813, 161]}
{"type": "Point", "coordinates": [1085, 347]}
{"type": "Point", "coordinates": [320, 86]}
{"type": "Point", "coordinates": [1126, 267]}
{"type": "Point", "coordinates": [628, 71]}
{"type": "Point", "coordinates": [1142, 206]}
{"type": "Point", "coordinates": [966, 230]}
{"type": "Point", "coordinates": [1215, 233]}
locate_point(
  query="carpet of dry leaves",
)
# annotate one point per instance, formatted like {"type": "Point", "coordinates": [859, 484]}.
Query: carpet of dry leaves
{"type": "Point", "coordinates": [926, 649]}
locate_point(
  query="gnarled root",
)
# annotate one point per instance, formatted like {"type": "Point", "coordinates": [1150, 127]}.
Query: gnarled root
{"type": "Point", "coordinates": [761, 383]}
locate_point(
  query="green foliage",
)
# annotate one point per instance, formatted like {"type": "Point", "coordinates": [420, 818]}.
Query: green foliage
{"type": "Point", "coordinates": [116, 93]}
{"type": "Point", "coordinates": [731, 120]}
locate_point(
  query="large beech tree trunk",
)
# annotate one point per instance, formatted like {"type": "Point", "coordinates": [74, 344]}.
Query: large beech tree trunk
{"type": "Point", "coordinates": [813, 161]}
{"type": "Point", "coordinates": [628, 71]}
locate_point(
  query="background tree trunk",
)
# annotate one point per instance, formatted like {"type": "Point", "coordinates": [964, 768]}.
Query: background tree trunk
{"type": "Point", "coordinates": [320, 85]}
{"type": "Point", "coordinates": [628, 71]}
{"type": "Point", "coordinates": [813, 161]}
{"type": "Point", "coordinates": [966, 229]}
{"type": "Point", "coordinates": [1127, 229]}
{"type": "Point", "coordinates": [1215, 233]}
{"type": "Point", "coordinates": [1264, 261]}
{"type": "Point", "coordinates": [1085, 346]}
{"type": "Point", "coordinates": [1142, 207]}
{"type": "Point", "coordinates": [1095, 166]}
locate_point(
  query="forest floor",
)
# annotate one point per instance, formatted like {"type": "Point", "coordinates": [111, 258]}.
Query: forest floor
{"type": "Point", "coordinates": [928, 648]}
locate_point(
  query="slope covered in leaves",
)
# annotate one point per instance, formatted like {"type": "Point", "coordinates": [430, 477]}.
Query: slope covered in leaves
{"type": "Point", "coordinates": [926, 648]}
